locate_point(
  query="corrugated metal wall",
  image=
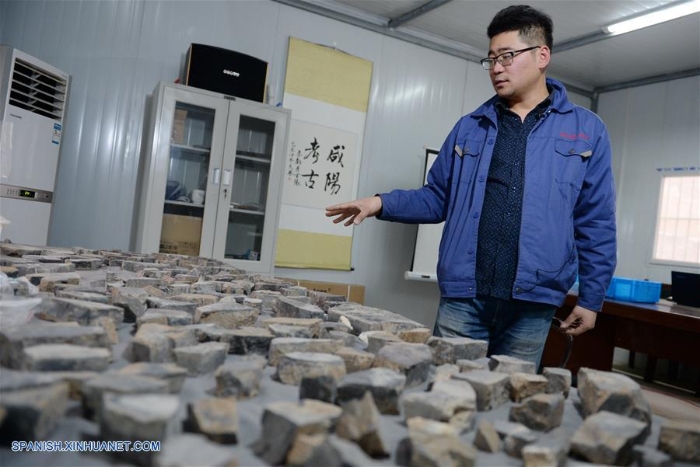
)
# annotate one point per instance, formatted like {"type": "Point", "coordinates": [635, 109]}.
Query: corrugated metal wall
{"type": "Point", "coordinates": [116, 51]}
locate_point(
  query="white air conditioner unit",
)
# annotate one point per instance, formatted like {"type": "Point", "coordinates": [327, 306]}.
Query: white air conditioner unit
{"type": "Point", "coordinates": [33, 97]}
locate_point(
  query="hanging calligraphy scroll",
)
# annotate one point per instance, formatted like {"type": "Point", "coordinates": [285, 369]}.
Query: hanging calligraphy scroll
{"type": "Point", "coordinates": [328, 93]}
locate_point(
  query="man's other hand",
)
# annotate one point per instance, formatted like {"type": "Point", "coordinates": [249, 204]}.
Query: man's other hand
{"type": "Point", "coordinates": [579, 321]}
{"type": "Point", "coordinates": [355, 211]}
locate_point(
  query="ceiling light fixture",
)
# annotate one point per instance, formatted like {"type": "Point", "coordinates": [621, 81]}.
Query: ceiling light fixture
{"type": "Point", "coordinates": [673, 11]}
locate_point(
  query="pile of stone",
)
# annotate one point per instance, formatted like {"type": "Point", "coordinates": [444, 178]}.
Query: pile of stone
{"type": "Point", "coordinates": [224, 367]}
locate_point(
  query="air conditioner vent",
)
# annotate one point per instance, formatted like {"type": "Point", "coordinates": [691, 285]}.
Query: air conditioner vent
{"type": "Point", "coordinates": [37, 91]}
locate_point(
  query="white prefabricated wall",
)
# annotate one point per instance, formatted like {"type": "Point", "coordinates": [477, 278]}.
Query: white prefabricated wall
{"type": "Point", "coordinates": [651, 127]}
{"type": "Point", "coordinates": [116, 52]}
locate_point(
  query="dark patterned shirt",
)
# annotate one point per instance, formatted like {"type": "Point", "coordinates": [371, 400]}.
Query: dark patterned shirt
{"type": "Point", "coordinates": [499, 227]}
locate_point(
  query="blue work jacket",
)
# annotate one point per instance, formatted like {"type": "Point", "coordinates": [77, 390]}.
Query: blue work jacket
{"type": "Point", "coordinates": [568, 210]}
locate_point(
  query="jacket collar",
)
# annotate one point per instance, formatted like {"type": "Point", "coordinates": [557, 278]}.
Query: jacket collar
{"type": "Point", "coordinates": [560, 102]}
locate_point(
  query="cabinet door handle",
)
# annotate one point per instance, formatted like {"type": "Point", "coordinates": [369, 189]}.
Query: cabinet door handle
{"type": "Point", "coordinates": [216, 176]}
{"type": "Point", "coordinates": [227, 177]}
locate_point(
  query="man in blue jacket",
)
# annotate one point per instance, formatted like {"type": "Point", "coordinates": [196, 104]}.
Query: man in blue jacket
{"type": "Point", "coordinates": [524, 185]}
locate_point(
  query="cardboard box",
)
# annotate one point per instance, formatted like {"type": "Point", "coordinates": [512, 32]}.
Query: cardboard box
{"type": "Point", "coordinates": [353, 292]}
{"type": "Point", "coordinates": [178, 133]}
{"type": "Point", "coordinates": [181, 234]}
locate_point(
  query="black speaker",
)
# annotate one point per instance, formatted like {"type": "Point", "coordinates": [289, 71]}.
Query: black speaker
{"type": "Point", "coordinates": [225, 71]}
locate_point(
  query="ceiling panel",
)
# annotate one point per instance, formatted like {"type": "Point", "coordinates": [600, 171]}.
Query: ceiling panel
{"type": "Point", "coordinates": [386, 8]}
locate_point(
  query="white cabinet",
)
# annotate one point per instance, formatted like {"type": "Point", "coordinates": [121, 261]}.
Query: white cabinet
{"type": "Point", "coordinates": [210, 177]}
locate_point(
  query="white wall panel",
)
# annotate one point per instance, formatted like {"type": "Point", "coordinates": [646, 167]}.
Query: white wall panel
{"type": "Point", "coordinates": [651, 127]}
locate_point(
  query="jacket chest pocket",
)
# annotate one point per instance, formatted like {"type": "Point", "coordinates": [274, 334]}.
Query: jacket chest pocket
{"type": "Point", "coordinates": [571, 160]}
{"type": "Point", "coordinates": [469, 151]}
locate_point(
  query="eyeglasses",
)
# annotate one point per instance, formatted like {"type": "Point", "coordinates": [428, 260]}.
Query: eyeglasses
{"type": "Point", "coordinates": [505, 59]}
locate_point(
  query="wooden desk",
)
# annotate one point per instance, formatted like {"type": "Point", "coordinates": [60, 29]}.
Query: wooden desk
{"type": "Point", "coordinates": [662, 330]}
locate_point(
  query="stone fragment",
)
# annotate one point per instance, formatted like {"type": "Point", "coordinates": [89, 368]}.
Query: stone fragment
{"type": "Point", "coordinates": [284, 345]}
{"type": "Point", "coordinates": [253, 303]}
{"type": "Point", "coordinates": [151, 344]}
{"type": "Point", "coordinates": [608, 438]}
{"type": "Point", "coordinates": [348, 340]}
{"type": "Point", "coordinates": [139, 417]}
{"type": "Point", "coordinates": [434, 444]}
{"type": "Point", "coordinates": [206, 287]}
{"type": "Point", "coordinates": [515, 442]}
{"type": "Point", "coordinates": [469, 365]}
{"type": "Point", "coordinates": [198, 298]}
{"type": "Point", "coordinates": [140, 282]}
{"type": "Point", "coordinates": [187, 450]}
{"type": "Point", "coordinates": [116, 383]}
{"type": "Point", "coordinates": [78, 295]}
{"type": "Point", "coordinates": [75, 381]}
{"type": "Point", "coordinates": [359, 423]}
{"type": "Point", "coordinates": [201, 358]}
{"type": "Point", "coordinates": [547, 452]}
{"type": "Point", "coordinates": [282, 422]}
{"type": "Point", "coordinates": [415, 336]}
{"type": "Point", "coordinates": [491, 388]}
{"type": "Point", "coordinates": [226, 315]}
{"type": "Point", "coordinates": [291, 308]}
{"type": "Point", "coordinates": [172, 374]}
{"type": "Point", "coordinates": [413, 360]}
{"type": "Point", "coordinates": [384, 384]}
{"type": "Point", "coordinates": [294, 366]}
{"type": "Point", "coordinates": [132, 300]}
{"type": "Point", "coordinates": [681, 439]}
{"type": "Point", "coordinates": [541, 412]}
{"type": "Point", "coordinates": [378, 339]}
{"type": "Point", "coordinates": [65, 357]}
{"type": "Point", "coordinates": [558, 380]}
{"type": "Point", "coordinates": [323, 388]}
{"type": "Point", "coordinates": [612, 392]}
{"type": "Point", "coordinates": [305, 447]}
{"type": "Point", "coordinates": [165, 317]}
{"type": "Point", "coordinates": [312, 325]}
{"type": "Point", "coordinates": [13, 339]}
{"type": "Point", "coordinates": [216, 418]}
{"type": "Point", "coordinates": [328, 326]}
{"type": "Point", "coordinates": [338, 451]}
{"type": "Point", "coordinates": [324, 300]}
{"type": "Point", "coordinates": [446, 399]}
{"type": "Point", "coordinates": [47, 281]}
{"type": "Point", "coordinates": [240, 378]}
{"type": "Point", "coordinates": [86, 263]}
{"type": "Point", "coordinates": [506, 364]}
{"type": "Point", "coordinates": [364, 318]}
{"type": "Point", "coordinates": [355, 360]}
{"type": "Point", "coordinates": [486, 438]}
{"type": "Point", "coordinates": [243, 341]}
{"type": "Point", "coordinates": [645, 456]}
{"type": "Point", "coordinates": [82, 312]}
{"type": "Point", "coordinates": [155, 302]}
{"type": "Point", "coordinates": [443, 373]}
{"type": "Point", "coordinates": [18, 250]}
{"type": "Point", "coordinates": [175, 288]}
{"type": "Point", "coordinates": [294, 291]}
{"type": "Point", "coordinates": [284, 330]}
{"type": "Point", "coordinates": [111, 330]}
{"type": "Point", "coordinates": [451, 349]}
{"type": "Point", "coordinates": [524, 385]}
{"type": "Point", "coordinates": [237, 287]}
{"type": "Point", "coordinates": [155, 292]}
{"type": "Point", "coordinates": [33, 405]}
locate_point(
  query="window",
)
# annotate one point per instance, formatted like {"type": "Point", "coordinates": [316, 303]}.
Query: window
{"type": "Point", "coordinates": [678, 225]}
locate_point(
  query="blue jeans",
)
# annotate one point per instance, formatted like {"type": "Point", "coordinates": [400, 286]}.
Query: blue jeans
{"type": "Point", "coordinates": [512, 327]}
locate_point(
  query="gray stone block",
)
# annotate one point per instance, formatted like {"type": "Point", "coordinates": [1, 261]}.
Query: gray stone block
{"type": "Point", "coordinates": [78, 295]}
{"type": "Point", "coordinates": [199, 299]}
{"type": "Point", "coordinates": [65, 357]}
{"type": "Point", "coordinates": [486, 438]}
{"type": "Point", "coordinates": [451, 349]}
{"type": "Point", "coordinates": [116, 383]}
{"type": "Point", "coordinates": [240, 378]}
{"type": "Point", "coordinates": [547, 452]}
{"type": "Point", "coordinates": [33, 405]}
{"type": "Point", "coordinates": [154, 302]}
{"type": "Point", "coordinates": [681, 439]}
{"type": "Point", "coordinates": [491, 388]}
{"type": "Point", "coordinates": [355, 360]}
{"type": "Point", "coordinates": [413, 360]}
{"type": "Point", "coordinates": [506, 364]}
{"type": "Point", "coordinates": [282, 422]}
{"type": "Point", "coordinates": [376, 340]}
{"type": "Point", "coordinates": [384, 384]}
{"type": "Point", "coordinates": [608, 438]}
{"type": "Point", "coordinates": [172, 374]}
{"type": "Point", "coordinates": [415, 336]}
{"type": "Point", "coordinates": [284, 345]}
{"type": "Point", "coordinates": [541, 412]}
{"type": "Point", "coordinates": [216, 418]}
{"type": "Point", "coordinates": [292, 308]}
{"type": "Point", "coordinates": [359, 423]}
{"type": "Point", "coordinates": [132, 300]}
{"type": "Point", "coordinates": [612, 392]}
{"type": "Point", "coordinates": [140, 282]}
{"type": "Point", "coordinates": [558, 380]}
{"type": "Point", "coordinates": [364, 318]}
{"type": "Point", "coordinates": [322, 388]}
{"type": "Point", "coordinates": [645, 456]}
{"type": "Point", "coordinates": [226, 315]}
{"type": "Point", "coordinates": [434, 444]}
{"type": "Point", "coordinates": [294, 366]}
{"type": "Point", "coordinates": [165, 317]}
{"type": "Point", "coordinates": [201, 358]}
{"type": "Point", "coordinates": [187, 450]}
{"type": "Point", "coordinates": [80, 311]}
{"type": "Point", "coordinates": [312, 325]}
{"type": "Point", "coordinates": [524, 385]}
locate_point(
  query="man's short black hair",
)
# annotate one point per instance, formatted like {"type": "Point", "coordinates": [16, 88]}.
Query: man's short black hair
{"type": "Point", "coordinates": [534, 26]}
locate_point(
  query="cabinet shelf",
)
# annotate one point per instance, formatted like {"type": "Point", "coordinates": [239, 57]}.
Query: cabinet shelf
{"type": "Point", "coordinates": [256, 159]}
{"type": "Point", "coordinates": [247, 211]}
{"type": "Point", "coordinates": [185, 147]}
{"type": "Point", "coordinates": [183, 203]}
